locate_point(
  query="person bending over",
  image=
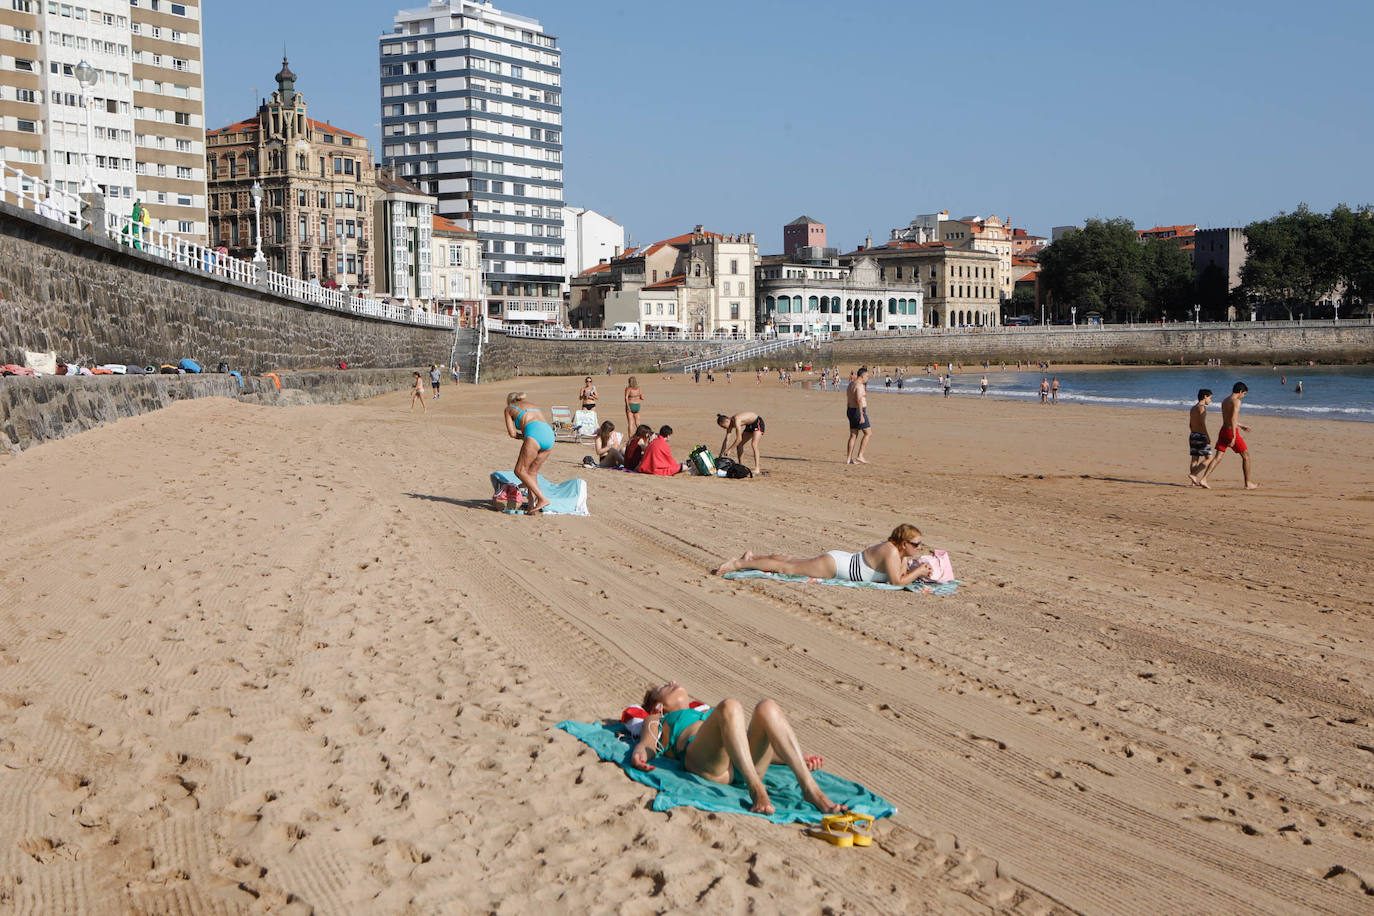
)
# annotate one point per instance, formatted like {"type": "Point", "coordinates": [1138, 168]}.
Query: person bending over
{"type": "Point", "coordinates": [527, 422]}
{"type": "Point", "coordinates": [606, 444]}
{"type": "Point", "coordinates": [725, 742]}
{"type": "Point", "coordinates": [892, 561]}
{"type": "Point", "coordinates": [744, 428]}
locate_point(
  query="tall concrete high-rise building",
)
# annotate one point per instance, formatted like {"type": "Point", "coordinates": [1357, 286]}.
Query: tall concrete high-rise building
{"type": "Point", "coordinates": [472, 113]}
{"type": "Point", "coordinates": [146, 104]}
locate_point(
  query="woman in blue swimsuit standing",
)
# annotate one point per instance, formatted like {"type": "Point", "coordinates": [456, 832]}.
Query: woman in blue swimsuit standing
{"type": "Point", "coordinates": [725, 742]}
{"type": "Point", "coordinates": [528, 423]}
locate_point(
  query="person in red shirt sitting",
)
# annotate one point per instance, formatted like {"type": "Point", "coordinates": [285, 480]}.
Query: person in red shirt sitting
{"type": "Point", "coordinates": [658, 456]}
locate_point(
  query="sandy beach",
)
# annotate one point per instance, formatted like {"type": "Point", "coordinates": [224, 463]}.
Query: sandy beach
{"type": "Point", "coordinates": [259, 659]}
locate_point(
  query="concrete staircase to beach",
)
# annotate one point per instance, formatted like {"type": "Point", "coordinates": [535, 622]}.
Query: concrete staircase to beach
{"type": "Point", "coordinates": [466, 352]}
{"type": "Point", "coordinates": [750, 352]}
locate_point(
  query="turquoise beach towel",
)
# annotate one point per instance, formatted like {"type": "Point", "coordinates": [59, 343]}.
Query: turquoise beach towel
{"type": "Point", "coordinates": [925, 588]}
{"type": "Point", "coordinates": [676, 787]}
{"type": "Point", "coordinates": [567, 498]}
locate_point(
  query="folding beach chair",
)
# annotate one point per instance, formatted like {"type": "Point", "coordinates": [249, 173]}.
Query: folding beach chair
{"type": "Point", "coordinates": [560, 418]}
{"type": "Point", "coordinates": [585, 423]}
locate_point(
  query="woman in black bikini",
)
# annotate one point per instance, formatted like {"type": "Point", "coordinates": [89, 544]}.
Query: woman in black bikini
{"type": "Point", "coordinates": [588, 395]}
{"type": "Point", "coordinates": [719, 744]}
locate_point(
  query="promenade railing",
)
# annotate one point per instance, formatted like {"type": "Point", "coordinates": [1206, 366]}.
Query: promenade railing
{"type": "Point", "coordinates": [772, 345]}
{"type": "Point", "coordinates": [193, 256]}
{"type": "Point", "coordinates": [42, 197]}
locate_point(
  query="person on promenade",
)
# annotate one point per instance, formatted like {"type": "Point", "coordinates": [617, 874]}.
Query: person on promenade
{"type": "Point", "coordinates": [418, 394]}
{"type": "Point", "coordinates": [634, 402]}
{"type": "Point", "coordinates": [526, 422]}
{"type": "Point", "coordinates": [1229, 436]}
{"type": "Point", "coordinates": [1054, 390]}
{"type": "Point", "coordinates": [892, 561]}
{"type": "Point", "coordinates": [1199, 442]}
{"type": "Point", "coordinates": [434, 378]}
{"type": "Point", "coordinates": [606, 444]}
{"type": "Point", "coordinates": [723, 744]}
{"type": "Point", "coordinates": [856, 410]}
{"type": "Point", "coordinates": [588, 396]}
{"type": "Point", "coordinates": [745, 427]}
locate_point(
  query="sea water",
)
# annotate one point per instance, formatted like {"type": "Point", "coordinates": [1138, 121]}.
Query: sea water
{"type": "Point", "coordinates": [1328, 392]}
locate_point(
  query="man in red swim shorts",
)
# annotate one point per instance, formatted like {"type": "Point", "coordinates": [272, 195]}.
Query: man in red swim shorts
{"type": "Point", "coordinates": [1229, 436]}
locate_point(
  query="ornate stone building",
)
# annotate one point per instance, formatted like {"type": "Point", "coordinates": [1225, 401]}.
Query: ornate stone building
{"type": "Point", "coordinates": [700, 282]}
{"type": "Point", "coordinates": [318, 183]}
{"type": "Point", "coordinates": [960, 286]}
{"type": "Point", "coordinates": [810, 291]}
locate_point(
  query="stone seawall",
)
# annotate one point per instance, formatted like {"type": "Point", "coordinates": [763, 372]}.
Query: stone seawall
{"type": "Point", "coordinates": [1239, 344]}
{"type": "Point", "coordinates": [35, 410]}
{"type": "Point", "coordinates": [93, 302]}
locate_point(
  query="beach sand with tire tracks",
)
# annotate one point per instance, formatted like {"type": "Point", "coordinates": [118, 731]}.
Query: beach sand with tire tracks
{"type": "Point", "coordinates": [260, 659]}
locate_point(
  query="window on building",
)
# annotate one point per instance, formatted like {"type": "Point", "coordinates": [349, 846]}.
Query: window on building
{"type": "Point", "coordinates": [734, 311]}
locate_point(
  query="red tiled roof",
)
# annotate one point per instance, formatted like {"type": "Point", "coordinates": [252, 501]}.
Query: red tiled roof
{"type": "Point", "coordinates": [595, 269]}
{"type": "Point", "coordinates": [669, 282]}
{"type": "Point", "coordinates": [1173, 231]}
{"type": "Point", "coordinates": [443, 224]}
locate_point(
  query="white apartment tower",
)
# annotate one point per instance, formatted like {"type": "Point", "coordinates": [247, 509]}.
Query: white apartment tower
{"type": "Point", "coordinates": [472, 113]}
{"type": "Point", "coordinates": [146, 106]}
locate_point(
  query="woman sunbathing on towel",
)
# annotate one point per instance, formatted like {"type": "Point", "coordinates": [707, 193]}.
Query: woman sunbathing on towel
{"type": "Point", "coordinates": [723, 742]}
{"type": "Point", "coordinates": [526, 422]}
{"type": "Point", "coordinates": [888, 561]}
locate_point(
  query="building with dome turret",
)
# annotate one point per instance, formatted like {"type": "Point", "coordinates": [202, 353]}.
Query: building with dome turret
{"type": "Point", "coordinates": [318, 186]}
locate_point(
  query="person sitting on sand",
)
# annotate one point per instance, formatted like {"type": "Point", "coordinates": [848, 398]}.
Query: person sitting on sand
{"type": "Point", "coordinates": [658, 456]}
{"type": "Point", "coordinates": [634, 449]}
{"type": "Point", "coordinates": [526, 422]}
{"type": "Point", "coordinates": [606, 444]}
{"type": "Point", "coordinates": [892, 561]}
{"type": "Point", "coordinates": [745, 427]}
{"type": "Point", "coordinates": [723, 744]}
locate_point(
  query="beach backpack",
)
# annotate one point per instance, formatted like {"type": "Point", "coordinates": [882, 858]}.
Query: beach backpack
{"type": "Point", "coordinates": [732, 468]}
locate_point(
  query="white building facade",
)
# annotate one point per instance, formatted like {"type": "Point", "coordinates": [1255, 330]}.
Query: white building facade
{"type": "Point", "coordinates": [472, 112]}
{"type": "Point", "coordinates": [403, 227]}
{"type": "Point", "coordinates": [804, 297]}
{"type": "Point", "coordinates": [146, 107]}
{"type": "Point", "coordinates": [589, 238]}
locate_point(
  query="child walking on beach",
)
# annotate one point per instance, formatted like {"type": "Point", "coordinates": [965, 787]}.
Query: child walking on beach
{"type": "Point", "coordinates": [418, 394]}
{"type": "Point", "coordinates": [1199, 442]}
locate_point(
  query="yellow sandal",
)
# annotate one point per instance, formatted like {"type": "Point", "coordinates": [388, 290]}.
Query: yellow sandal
{"type": "Point", "coordinates": [823, 832]}
{"type": "Point", "coordinates": [849, 824]}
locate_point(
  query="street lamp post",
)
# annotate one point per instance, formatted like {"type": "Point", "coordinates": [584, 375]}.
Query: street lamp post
{"type": "Point", "coordinates": [87, 76]}
{"type": "Point", "coordinates": [1197, 314]}
{"type": "Point", "coordinates": [1073, 315]}
{"type": "Point", "coordinates": [1338, 310]}
{"type": "Point", "coordinates": [258, 256]}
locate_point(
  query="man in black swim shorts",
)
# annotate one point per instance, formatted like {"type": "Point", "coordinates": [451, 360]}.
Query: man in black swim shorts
{"type": "Point", "coordinates": [745, 428]}
{"type": "Point", "coordinates": [856, 410]}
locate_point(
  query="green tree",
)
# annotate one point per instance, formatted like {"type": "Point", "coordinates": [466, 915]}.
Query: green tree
{"type": "Point", "coordinates": [1168, 276]}
{"type": "Point", "coordinates": [1354, 234]}
{"type": "Point", "coordinates": [1293, 259]}
{"type": "Point", "coordinates": [1099, 268]}
{"type": "Point", "coordinates": [1023, 301]}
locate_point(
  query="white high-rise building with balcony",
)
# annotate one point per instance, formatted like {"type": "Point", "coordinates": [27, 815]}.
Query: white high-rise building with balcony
{"type": "Point", "coordinates": [472, 113]}
{"type": "Point", "coordinates": [146, 105]}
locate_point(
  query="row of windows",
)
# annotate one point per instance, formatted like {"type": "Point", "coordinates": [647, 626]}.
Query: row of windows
{"type": "Point", "coordinates": [161, 34]}
{"type": "Point", "coordinates": [158, 60]}
{"type": "Point", "coordinates": [451, 64]}
{"type": "Point", "coordinates": [501, 227]}
{"type": "Point", "coordinates": [476, 125]}
{"type": "Point", "coordinates": [176, 9]}
{"type": "Point", "coordinates": [532, 249]}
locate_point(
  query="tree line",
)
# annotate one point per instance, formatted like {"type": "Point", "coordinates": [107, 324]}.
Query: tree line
{"type": "Point", "coordinates": [1299, 263]}
{"type": "Point", "coordinates": [1307, 263]}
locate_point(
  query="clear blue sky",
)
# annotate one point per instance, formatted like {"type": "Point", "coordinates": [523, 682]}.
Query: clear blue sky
{"type": "Point", "coordinates": [743, 115]}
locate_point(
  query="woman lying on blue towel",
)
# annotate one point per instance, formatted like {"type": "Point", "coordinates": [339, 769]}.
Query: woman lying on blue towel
{"type": "Point", "coordinates": [887, 561]}
{"type": "Point", "coordinates": [722, 743]}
